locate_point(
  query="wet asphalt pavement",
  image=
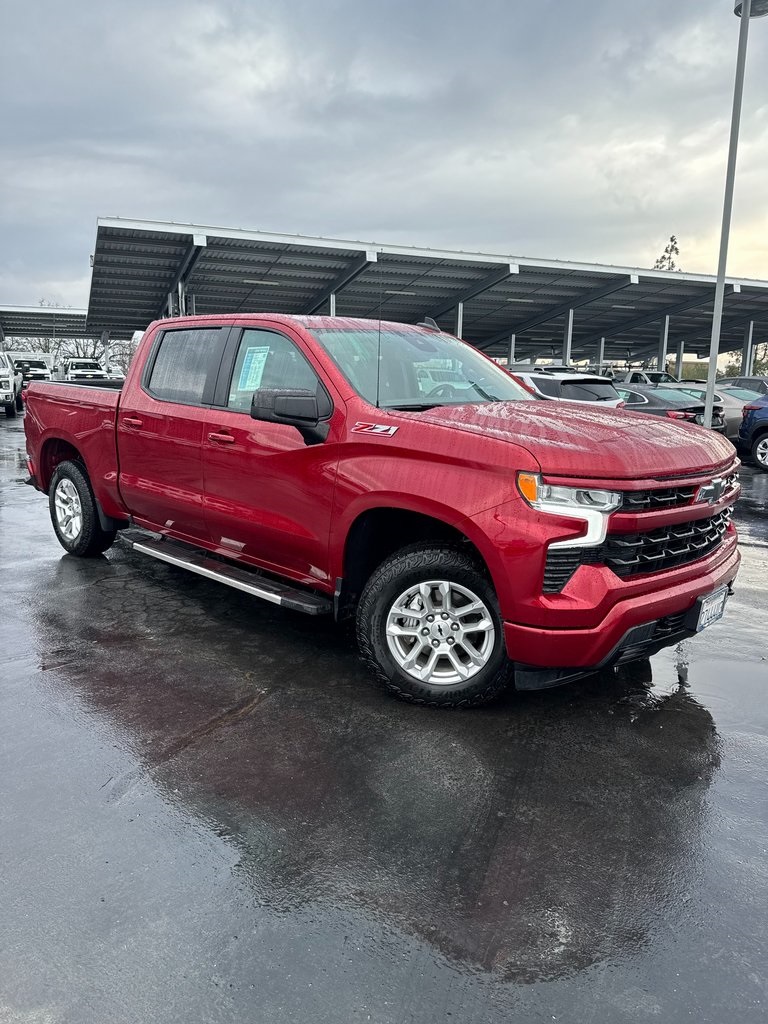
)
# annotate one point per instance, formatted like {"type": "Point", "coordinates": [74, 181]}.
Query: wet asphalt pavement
{"type": "Point", "coordinates": [207, 814]}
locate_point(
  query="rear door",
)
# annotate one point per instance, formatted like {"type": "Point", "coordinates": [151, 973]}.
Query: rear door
{"type": "Point", "coordinates": [268, 494]}
{"type": "Point", "coordinates": [160, 426]}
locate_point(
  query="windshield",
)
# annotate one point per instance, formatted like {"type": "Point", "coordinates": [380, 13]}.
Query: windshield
{"type": "Point", "coordinates": [661, 378]}
{"type": "Point", "coordinates": [84, 364]}
{"type": "Point", "coordinates": [419, 369]}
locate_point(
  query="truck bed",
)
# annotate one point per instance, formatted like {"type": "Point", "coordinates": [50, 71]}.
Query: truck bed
{"type": "Point", "coordinates": [83, 415]}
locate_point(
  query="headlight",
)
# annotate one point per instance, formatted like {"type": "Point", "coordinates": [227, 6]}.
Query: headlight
{"type": "Point", "coordinates": [554, 498]}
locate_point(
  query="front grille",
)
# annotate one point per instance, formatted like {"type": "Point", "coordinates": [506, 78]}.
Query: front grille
{"type": "Point", "coordinates": [666, 497]}
{"type": "Point", "coordinates": [631, 554]}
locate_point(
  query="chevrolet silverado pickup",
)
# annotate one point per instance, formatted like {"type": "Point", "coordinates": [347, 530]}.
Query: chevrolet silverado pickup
{"type": "Point", "coordinates": [477, 536]}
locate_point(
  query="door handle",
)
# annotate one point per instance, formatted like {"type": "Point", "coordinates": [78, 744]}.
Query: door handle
{"type": "Point", "coordinates": [132, 421]}
{"type": "Point", "coordinates": [223, 438]}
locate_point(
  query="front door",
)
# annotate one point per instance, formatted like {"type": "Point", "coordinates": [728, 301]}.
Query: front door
{"type": "Point", "coordinates": [268, 494]}
{"type": "Point", "coordinates": [160, 427]}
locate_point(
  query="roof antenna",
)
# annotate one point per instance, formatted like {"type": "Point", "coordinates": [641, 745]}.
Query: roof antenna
{"type": "Point", "coordinates": [378, 346]}
{"type": "Point", "coordinates": [430, 324]}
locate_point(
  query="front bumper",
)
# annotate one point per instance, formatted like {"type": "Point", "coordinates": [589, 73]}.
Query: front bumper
{"type": "Point", "coordinates": [580, 650]}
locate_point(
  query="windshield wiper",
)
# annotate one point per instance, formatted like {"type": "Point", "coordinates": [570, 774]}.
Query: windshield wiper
{"type": "Point", "coordinates": [486, 396]}
{"type": "Point", "coordinates": [417, 407]}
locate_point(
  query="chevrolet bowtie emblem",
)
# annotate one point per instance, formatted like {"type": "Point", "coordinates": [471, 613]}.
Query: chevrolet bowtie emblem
{"type": "Point", "coordinates": [711, 493]}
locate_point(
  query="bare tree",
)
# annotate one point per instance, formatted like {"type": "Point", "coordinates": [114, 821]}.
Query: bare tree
{"type": "Point", "coordinates": [667, 260]}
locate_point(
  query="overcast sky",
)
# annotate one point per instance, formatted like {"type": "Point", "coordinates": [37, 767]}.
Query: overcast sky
{"type": "Point", "coordinates": [571, 129]}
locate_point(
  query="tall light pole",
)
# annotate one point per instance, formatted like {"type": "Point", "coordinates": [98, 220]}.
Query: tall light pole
{"type": "Point", "coordinates": [744, 9]}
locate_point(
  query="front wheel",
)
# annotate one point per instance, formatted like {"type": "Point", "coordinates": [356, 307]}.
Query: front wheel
{"type": "Point", "coordinates": [10, 410]}
{"type": "Point", "coordinates": [429, 628]}
{"type": "Point", "coordinates": [19, 403]}
{"type": "Point", "coordinates": [74, 514]}
{"type": "Point", "coordinates": [760, 452]}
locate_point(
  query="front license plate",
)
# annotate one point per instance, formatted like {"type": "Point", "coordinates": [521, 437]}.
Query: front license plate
{"type": "Point", "coordinates": [712, 608]}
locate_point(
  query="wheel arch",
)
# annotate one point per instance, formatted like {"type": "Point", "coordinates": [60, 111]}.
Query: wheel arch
{"type": "Point", "coordinates": [379, 531]}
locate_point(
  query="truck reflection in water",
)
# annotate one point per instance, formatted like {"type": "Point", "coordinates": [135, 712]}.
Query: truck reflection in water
{"type": "Point", "coordinates": [529, 840]}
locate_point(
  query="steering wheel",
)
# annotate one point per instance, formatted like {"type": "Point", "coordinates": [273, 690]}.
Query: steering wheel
{"type": "Point", "coordinates": [443, 391]}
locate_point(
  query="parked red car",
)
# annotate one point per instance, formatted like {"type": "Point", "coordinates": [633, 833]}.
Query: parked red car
{"type": "Point", "coordinates": [475, 534]}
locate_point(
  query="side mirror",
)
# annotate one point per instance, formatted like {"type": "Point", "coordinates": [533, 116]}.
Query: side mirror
{"type": "Point", "coordinates": [295, 407]}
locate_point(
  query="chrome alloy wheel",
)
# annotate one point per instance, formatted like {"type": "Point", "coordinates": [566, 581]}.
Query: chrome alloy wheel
{"type": "Point", "coordinates": [69, 511]}
{"type": "Point", "coordinates": [761, 451]}
{"type": "Point", "coordinates": [440, 633]}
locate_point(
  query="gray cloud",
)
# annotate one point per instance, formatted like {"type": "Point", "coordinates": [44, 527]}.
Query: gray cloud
{"type": "Point", "coordinates": [563, 128]}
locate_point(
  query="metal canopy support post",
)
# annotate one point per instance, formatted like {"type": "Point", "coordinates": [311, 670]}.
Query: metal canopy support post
{"type": "Point", "coordinates": [332, 304]}
{"type": "Point", "coordinates": [105, 347]}
{"type": "Point", "coordinates": [191, 305]}
{"type": "Point", "coordinates": [600, 354]}
{"type": "Point", "coordinates": [568, 338]}
{"type": "Point", "coordinates": [747, 350]}
{"type": "Point", "coordinates": [459, 319]}
{"type": "Point", "coordinates": [178, 287]}
{"type": "Point", "coordinates": [511, 352]}
{"type": "Point", "coordinates": [661, 359]}
{"type": "Point", "coordinates": [679, 359]}
{"type": "Point", "coordinates": [730, 174]}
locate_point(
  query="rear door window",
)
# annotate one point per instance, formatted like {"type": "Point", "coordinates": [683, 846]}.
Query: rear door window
{"type": "Point", "coordinates": [185, 365]}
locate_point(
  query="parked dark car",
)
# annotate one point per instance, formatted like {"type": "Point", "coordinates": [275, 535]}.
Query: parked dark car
{"type": "Point", "coordinates": [759, 384]}
{"type": "Point", "coordinates": [671, 403]}
{"type": "Point", "coordinates": [753, 436]}
{"type": "Point", "coordinates": [731, 399]}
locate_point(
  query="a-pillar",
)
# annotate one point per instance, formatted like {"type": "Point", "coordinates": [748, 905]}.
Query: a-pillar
{"type": "Point", "coordinates": [747, 349]}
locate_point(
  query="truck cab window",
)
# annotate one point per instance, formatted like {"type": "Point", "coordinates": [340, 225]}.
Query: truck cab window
{"type": "Point", "coordinates": [183, 365]}
{"type": "Point", "coordinates": [266, 359]}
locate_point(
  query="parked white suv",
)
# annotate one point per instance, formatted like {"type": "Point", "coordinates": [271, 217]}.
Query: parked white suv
{"type": "Point", "coordinates": [10, 386]}
{"type": "Point", "coordinates": [567, 386]}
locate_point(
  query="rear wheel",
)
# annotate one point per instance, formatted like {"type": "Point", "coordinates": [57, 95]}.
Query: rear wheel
{"type": "Point", "coordinates": [760, 452]}
{"type": "Point", "coordinates": [429, 628]}
{"type": "Point", "coordinates": [74, 513]}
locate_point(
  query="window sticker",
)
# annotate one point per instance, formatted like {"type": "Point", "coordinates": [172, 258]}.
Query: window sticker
{"type": "Point", "coordinates": [253, 367]}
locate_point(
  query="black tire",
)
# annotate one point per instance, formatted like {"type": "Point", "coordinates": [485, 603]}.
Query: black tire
{"type": "Point", "coordinates": [19, 403]}
{"type": "Point", "coordinates": [91, 539]}
{"type": "Point", "coordinates": [10, 411]}
{"type": "Point", "coordinates": [760, 452]}
{"type": "Point", "coordinates": [407, 568]}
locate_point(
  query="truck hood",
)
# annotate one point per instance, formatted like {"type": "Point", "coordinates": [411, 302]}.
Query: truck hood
{"type": "Point", "coordinates": [602, 443]}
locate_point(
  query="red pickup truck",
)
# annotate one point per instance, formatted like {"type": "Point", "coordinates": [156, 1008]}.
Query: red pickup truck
{"type": "Point", "coordinates": [393, 473]}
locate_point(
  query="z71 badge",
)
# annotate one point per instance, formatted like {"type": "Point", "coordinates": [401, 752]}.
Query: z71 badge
{"type": "Point", "coordinates": [374, 428]}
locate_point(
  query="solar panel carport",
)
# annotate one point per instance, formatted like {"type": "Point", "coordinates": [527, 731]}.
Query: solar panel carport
{"type": "Point", "coordinates": [42, 322]}
{"type": "Point", "coordinates": [503, 304]}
